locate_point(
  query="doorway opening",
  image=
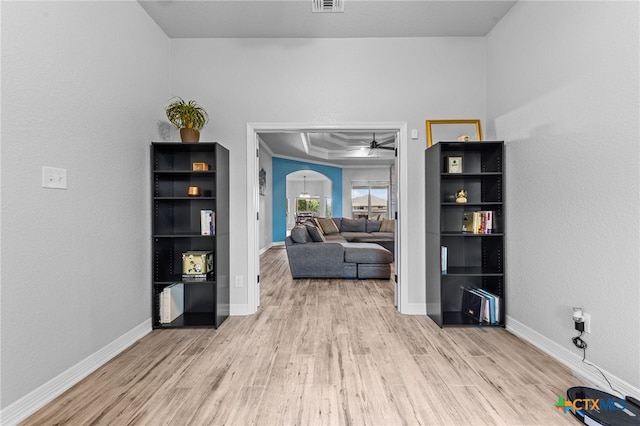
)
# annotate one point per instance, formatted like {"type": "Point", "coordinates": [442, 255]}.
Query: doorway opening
{"type": "Point", "coordinates": [400, 279]}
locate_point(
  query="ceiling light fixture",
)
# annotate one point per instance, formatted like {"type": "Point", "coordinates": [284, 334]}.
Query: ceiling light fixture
{"type": "Point", "coordinates": [304, 193]}
{"type": "Point", "coordinates": [327, 6]}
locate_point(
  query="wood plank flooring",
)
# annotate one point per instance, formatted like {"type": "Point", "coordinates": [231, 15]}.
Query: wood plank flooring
{"type": "Point", "coordinates": [320, 352]}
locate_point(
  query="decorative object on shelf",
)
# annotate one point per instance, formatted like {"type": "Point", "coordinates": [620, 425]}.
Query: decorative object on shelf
{"type": "Point", "coordinates": [454, 164]}
{"type": "Point", "coordinates": [193, 191]}
{"type": "Point", "coordinates": [461, 196]}
{"type": "Point", "coordinates": [199, 167]}
{"type": "Point", "coordinates": [464, 138]}
{"type": "Point", "coordinates": [446, 130]}
{"type": "Point", "coordinates": [262, 181]}
{"type": "Point", "coordinates": [189, 117]}
{"type": "Point", "coordinates": [197, 262]}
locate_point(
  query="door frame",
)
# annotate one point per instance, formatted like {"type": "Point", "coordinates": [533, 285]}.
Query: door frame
{"type": "Point", "coordinates": [253, 201]}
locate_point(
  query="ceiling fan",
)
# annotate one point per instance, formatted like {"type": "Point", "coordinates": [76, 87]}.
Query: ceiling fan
{"type": "Point", "coordinates": [373, 145]}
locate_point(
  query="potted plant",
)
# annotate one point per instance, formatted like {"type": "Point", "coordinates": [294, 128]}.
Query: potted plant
{"type": "Point", "coordinates": [189, 117]}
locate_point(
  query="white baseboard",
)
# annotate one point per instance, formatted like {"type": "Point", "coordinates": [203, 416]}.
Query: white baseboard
{"type": "Point", "coordinates": [36, 399]}
{"type": "Point", "coordinates": [589, 374]}
{"type": "Point", "coordinates": [268, 246]}
{"type": "Point", "coordinates": [414, 309]}
{"type": "Point", "coordinates": [237, 309]}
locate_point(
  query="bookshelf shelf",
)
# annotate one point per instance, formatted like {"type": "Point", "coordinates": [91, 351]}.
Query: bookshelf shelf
{"type": "Point", "coordinates": [176, 229]}
{"type": "Point", "coordinates": [473, 260]}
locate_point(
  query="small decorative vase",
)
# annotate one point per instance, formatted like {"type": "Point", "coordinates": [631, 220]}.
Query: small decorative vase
{"type": "Point", "coordinates": [193, 191]}
{"type": "Point", "coordinates": [190, 135]}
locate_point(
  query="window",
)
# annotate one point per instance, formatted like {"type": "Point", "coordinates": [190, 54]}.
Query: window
{"type": "Point", "coordinates": [370, 200]}
{"type": "Point", "coordinates": [304, 205]}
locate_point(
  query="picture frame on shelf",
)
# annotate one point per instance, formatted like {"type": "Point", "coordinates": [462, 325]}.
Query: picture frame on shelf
{"type": "Point", "coordinates": [454, 164]}
{"type": "Point", "coordinates": [451, 130]}
{"type": "Point", "coordinates": [199, 167]}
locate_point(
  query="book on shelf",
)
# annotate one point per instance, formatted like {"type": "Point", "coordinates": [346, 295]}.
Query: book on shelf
{"type": "Point", "coordinates": [478, 222]}
{"type": "Point", "coordinates": [443, 259]}
{"type": "Point", "coordinates": [472, 305]}
{"type": "Point", "coordinates": [467, 222]}
{"type": "Point", "coordinates": [207, 222]}
{"type": "Point", "coordinates": [196, 277]}
{"type": "Point", "coordinates": [494, 305]}
{"type": "Point", "coordinates": [171, 302]}
{"type": "Point", "coordinates": [481, 305]}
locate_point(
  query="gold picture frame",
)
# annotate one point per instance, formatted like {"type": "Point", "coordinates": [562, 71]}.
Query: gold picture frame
{"type": "Point", "coordinates": [199, 167]}
{"type": "Point", "coordinates": [464, 127]}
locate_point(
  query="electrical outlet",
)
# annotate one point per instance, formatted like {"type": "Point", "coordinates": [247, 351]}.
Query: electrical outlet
{"type": "Point", "coordinates": [239, 281]}
{"type": "Point", "coordinates": [53, 177]}
{"type": "Point", "coordinates": [587, 323]}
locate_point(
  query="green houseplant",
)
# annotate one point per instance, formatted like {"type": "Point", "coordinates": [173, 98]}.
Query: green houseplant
{"type": "Point", "coordinates": [189, 117]}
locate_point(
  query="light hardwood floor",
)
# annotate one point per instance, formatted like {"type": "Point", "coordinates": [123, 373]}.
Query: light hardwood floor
{"type": "Point", "coordinates": [319, 351]}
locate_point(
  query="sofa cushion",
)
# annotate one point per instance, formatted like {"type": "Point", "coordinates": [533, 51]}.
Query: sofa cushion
{"type": "Point", "coordinates": [353, 225]}
{"type": "Point", "coordinates": [354, 236]}
{"type": "Point", "coordinates": [388, 225]}
{"type": "Point", "coordinates": [373, 225]}
{"type": "Point", "coordinates": [328, 225]}
{"type": "Point", "coordinates": [337, 238]}
{"type": "Point", "coordinates": [366, 253]}
{"type": "Point", "coordinates": [314, 233]}
{"type": "Point", "coordinates": [380, 235]}
{"type": "Point", "coordinates": [299, 234]}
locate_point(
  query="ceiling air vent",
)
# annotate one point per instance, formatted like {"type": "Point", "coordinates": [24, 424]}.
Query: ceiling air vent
{"type": "Point", "coordinates": [328, 6]}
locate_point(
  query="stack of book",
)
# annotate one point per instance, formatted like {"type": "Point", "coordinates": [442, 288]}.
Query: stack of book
{"type": "Point", "coordinates": [444, 252]}
{"type": "Point", "coordinates": [171, 304]}
{"type": "Point", "coordinates": [207, 222]}
{"type": "Point", "coordinates": [481, 305]}
{"type": "Point", "coordinates": [478, 222]}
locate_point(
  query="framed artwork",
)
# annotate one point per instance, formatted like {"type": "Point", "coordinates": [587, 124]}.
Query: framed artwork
{"type": "Point", "coordinates": [262, 181]}
{"type": "Point", "coordinates": [454, 164]}
{"type": "Point", "coordinates": [199, 167]}
{"type": "Point", "coordinates": [453, 130]}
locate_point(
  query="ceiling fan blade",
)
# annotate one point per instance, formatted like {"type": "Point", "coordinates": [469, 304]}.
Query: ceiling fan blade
{"type": "Point", "coordinates": [392, 141]}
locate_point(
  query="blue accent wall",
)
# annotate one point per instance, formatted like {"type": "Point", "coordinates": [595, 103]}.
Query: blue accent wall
{"type": "Point", "coordinates": [281, 168]}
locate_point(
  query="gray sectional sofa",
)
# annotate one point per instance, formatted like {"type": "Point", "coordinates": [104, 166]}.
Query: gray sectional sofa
{"type": "Point", "coordinates": [341, 248]}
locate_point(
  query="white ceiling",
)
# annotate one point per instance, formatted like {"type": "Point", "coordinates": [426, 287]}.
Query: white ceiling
{"type": "Point", "coordinates": [347, 148]}
{"type": "Point", "coordinates": [293, 18]}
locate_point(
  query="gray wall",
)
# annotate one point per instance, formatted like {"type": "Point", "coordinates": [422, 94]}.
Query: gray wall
{"type": "Point", "coordinates": [563, 92]}
{"type": "Point", "coordinates": [84, 86]}
{"type": "Point", "coordinates": [326, 81]}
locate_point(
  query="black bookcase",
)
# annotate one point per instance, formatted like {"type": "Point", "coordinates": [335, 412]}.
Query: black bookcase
{"type": "Point", "coordinates": [474, 260]}
{"type": "Point", "coordinates": [176, 229]}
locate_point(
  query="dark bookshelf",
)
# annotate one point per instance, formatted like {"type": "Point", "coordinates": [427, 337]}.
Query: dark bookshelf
{"type": "Point", "coordinates": [474, 260]}
{"type": "Point", "coordinates": [176, 229]}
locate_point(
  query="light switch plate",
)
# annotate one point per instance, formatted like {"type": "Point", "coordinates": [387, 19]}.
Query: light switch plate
{"type": "Point", "coordinates": [414, 133]}
{"type": "Point", "coordinates": [53, 177]}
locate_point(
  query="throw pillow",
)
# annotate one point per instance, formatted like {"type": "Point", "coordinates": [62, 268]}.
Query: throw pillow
{"type": "Point", "coordinates": [353, 225]}
{"type": "Point", "coordinates": [315, 222]}
{"type": "Point", "coordinates": [299, 234]}
{"type": "Point", "coordinates": [314, 233]}
{"type": "Point", "coordinates": [388, 225]}
{"type": "Point", "coordinates": [328, 225]}
{"type": "Point", "coordinates": [373, 225]}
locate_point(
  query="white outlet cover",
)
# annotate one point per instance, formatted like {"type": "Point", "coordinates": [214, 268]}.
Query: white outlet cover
{"type": "Point", "coordinates": [53, 177]}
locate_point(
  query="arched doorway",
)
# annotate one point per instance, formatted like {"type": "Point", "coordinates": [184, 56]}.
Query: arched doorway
{"type": "Point", "coordinates": [308, 194]}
